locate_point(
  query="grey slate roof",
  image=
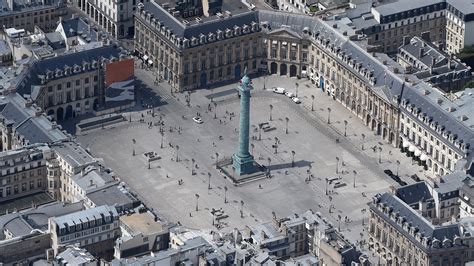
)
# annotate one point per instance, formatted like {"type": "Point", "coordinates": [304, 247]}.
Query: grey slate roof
{"type": "Point", "coordinates": [41, 67]}
{"type": "Point", "coordinates": [21, 223]}
{"type": "Point", "coordinates": [84, 215]}
{"type": "Point", "coordinates": [35, 129]}
{"type": "Point", "coordinates": [74, 154]}
{"type": "Point", "coordinates": [464, 6]}
{"type": "Point", "coordinates": [404, 5]}
{"type": "Point", "coordinates": [414, 193]}
{"type": "Point", "coordinates": [211, 24]}
{"type": "Point", "coordinates": [78, 27]}
{"type": "Point", "coordinates": [416, 220]}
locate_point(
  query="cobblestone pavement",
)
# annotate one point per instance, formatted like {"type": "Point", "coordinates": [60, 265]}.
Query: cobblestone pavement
{"type": "Point", "coordinates": [287, 192]}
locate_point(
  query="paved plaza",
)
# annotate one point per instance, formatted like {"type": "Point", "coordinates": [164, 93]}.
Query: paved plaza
{"type": "Point", "coordinates": [319, 151]}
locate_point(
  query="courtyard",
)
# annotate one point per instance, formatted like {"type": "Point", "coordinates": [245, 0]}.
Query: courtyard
{"type": "Point", "coordinates": [327, 167]}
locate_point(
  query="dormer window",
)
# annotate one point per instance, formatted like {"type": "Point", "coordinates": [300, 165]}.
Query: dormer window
{"type": "Point", "coordinates": [228, 33]}
{"type": "Point", "coordinates": [194, 41]}
{"type": "Point", "coordinates": [237, 30]}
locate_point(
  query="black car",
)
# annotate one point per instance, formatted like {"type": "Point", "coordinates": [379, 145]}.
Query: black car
{"type": "Point", "coordinates": [395, 177]}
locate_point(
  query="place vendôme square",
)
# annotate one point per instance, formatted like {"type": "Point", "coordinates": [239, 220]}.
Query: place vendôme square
{"type": "Point", "coordinates": [236, 132]}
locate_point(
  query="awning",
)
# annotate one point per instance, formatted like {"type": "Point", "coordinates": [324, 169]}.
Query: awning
{"type": "Point", "coordinates": [293, 44]}
{"type": "Point", "coordinates": [150, 62]}
{"type": "Point", "coordinates": [417, 153]}
{"type": "Point", "coordinates": [406, 144]}
{"type": "Point", "coordinates": [274, 42]}
{"type": "Point", "coordinates": [145, 57]}
{"type": "Point", "coordinates": [284, 43]}
{"type": "Point", "coordinates": [423, 157]}
{"type": "Point", "coordinates": [412, 148]}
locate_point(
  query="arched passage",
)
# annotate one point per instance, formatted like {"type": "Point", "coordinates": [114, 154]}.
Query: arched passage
{"type": "Point", "coordinates": [293, 71]}
{"type": "Point", "coordinates": [51, 113]}
{"type": "Point", "coordinates": [237, 71]}
{"type": "Point", "coordinates": [273, 68]}
{"type": "Point", "coordinates": [69, 112]}
{"type": "Point", "coordinates": [283, 70]}
{"type": "Point", "coordinates": [203, 79]}
{"type": "Point", "coordinates": [60, 114]}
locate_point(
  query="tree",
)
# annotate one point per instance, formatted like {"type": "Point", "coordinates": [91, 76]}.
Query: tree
{"type": "Point", "coordinates": [312, 102]}
{"type": "Point", "coordinates": [337, 165]}
{"type": "Point", "coordinates": [297, 85]}
{"type": "Point", "coordinates": [363, 140]}
{"type": "Point", "coordinates": [287, 120]}
{"type": "Point", "coordinates": [192, 166]}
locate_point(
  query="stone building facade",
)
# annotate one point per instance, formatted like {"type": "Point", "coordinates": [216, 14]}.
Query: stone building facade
{"type": "Point", "coordinates": [459, 25]}
{"type": "Point", "coordinates": [43, 14]}
{"type": "Point", "coordinates": [23, 172]}
{"type": "Point", "coordinates": [402, 237]}
{"type": "Point", "coordinates": [93, 229]}
{"type": "Point", "coordinates": [115, 17]}
{"type": "Point", "coordinates": [188, 55]}
{"type": "Point", "coordinates": [70, 85]}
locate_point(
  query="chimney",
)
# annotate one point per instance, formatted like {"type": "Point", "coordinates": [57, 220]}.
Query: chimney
{"type": "Point", "coordinates": [450, 59]}
{"type": "Point", "coordinates": [91, 182]}
{"type": "Point", "coordinates": [421, 52]}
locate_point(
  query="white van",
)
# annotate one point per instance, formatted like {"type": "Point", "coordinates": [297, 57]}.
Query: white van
{"type": "Point", "coordinates": [278, 90]}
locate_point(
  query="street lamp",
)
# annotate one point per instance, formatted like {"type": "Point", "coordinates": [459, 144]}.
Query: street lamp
{"type": "Point", "coordinates": [162, 136]}
{"type": "Point", "coordinates": [292, 158]}
{"type": "Point", "coordinates": [271, 108]}
{"type": "Point", "coordinates": [217, 159]}
{"type": "Point", "coordinates": [286, 119]}
{"type": "Point", "coordinates": [327, 181]}
{"type": "Point", "coordinates": [215, 110]}
{"type": "Point", "coordinates": [209, 181]}
{"type": "Point", "coordinates": [269, 163]}
{"type": "Point", "coordinates": [241, 209]}
{"type": "Point", "coordinates": [363, 140]}
{"type": "Point", "coordinates": [197, 201]}
{"type": "Point", "coordinates": [309, 172]}
{"type": "Point", "coordinates": [260, 131]}
{"type": "Point", "coordinates": [398, 166]}
{"type": "Point", "coordinates": [339, 217]}
{"type": "Point", "coordinates": [225, 194]}
{"type": "Point", "coordinates": [264, 80]}
{"type": "Point", "coordinates": [276, 145]}
{"type": "Point", "coordinates": [355, 173]}
{"type": "Point", "coordinates": [337, 165]}
{"type": "Point", "coordinates": [192, 166]}
{"type": "Point", "coordinates": [312, 102]}
{"type": "Point", "coordinates": [296, 93]}
{"type": "Point", "coordinates": [133, 144]}
{"type": "Point", "coordinates": [329, 115]}
{"type": "Point", "coordinates": [345, 128]}
{"type": "Point", "coordinates": [251, 147]}
{"type": "Point", "coordinates": [380, 154]}
{"type": "Point", "coordinates": [177, 150]}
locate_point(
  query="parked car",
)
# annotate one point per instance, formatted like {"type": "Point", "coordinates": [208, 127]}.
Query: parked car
{"type": "Point", "coordinates": [278, 90]}
{"type": "Point", "coordinates": [290, 94]}
{"type": "Point", "coordinates": [197, 119]}
{"type": "Point", "coordinates": [296, 100]}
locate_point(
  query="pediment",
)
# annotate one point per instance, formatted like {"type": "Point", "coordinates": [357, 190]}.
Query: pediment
{"type": "Point", "coordinates": [284, 33]}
